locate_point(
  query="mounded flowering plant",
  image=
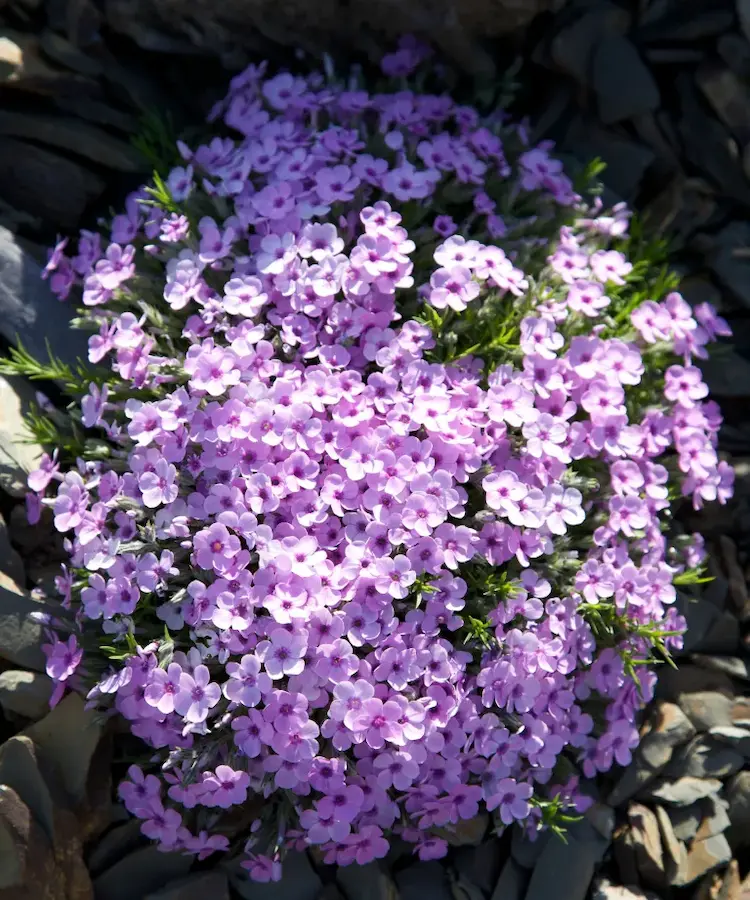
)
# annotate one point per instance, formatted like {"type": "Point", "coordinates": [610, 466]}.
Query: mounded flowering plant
{"type": "Point", "coordinates": [368, 487]}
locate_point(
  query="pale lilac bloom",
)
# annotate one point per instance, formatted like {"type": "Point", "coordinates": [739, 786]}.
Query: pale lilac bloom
{"type": "Point", "coordinates": [197, 695]}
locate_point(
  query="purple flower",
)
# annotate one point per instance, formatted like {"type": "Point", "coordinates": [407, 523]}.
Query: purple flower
{"type": "Point", "coordinates": [140, 792]}
{"type": "Point", "coordinates": [225, 787]}
{"type": "Point", "coordinates": [214, 545]}
{"type": "Point", "coordinates": [511, 798]}
{"type": "Point", "coordinates": [159, 487]}
{"type": "Point", "coordinates": [283, 654]}
{"type": "Point", "coordinates": [164, 688]}
{"type": "Point", "coordinates": [379, 722]}
{"type": "Point", "coordinates": [247, 684]}
{"type": "Point", "coordinates": [63, 658]}
{"type": "Point", "coordinates": [197, 695]}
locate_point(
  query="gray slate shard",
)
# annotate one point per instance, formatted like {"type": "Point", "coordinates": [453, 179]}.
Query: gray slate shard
{"type": "Point", "coordinates": [29, 312]}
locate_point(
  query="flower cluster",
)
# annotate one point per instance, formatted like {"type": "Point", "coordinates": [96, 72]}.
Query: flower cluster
{"type": "Point", "coordinates": [378, 525]}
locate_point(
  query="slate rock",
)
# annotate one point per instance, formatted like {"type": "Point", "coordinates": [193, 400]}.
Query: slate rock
{"type": "Point", "coordinates": [689, 678]}
{"type": "Point", "coordinates": [47, 871]}
{"type": "Point", "coordinates": [19, 770]}
{"type": "Point", "coordinates": [603, 889]}
{"type": "Point", "coordinates": [15, 825]}
{"type": "Point", "coordinates": [627, 160]}
{"type": "Point", "coordinates": [25, 693]}
{"type": "Point", "coordinates": [74, 136]}
{"type": "Point", "coordinates": [200, 886]}
{"type": "Point", "coordinates": [368, 882]}
{"type": "Point", "coordinates": [707, 143]}
{"type": "Point", "coordinates": [707, 709]}
{"type": "Point", "coordinates": [723, 636]}
{"type": "Point", "coordinates": [700, 615]}
{"type": "Point", "coordinates": [480, 865]}
{"type": "Point", "coordinates": [728, 97]}
{"type": "Point", "coordinates": [513, 881]}
{"type": "Point", "coordinates": [10, 560]}
{"type": "Point", "coordinates": [737, 584]}
{"type": "Point", "coordinates": [573, 47]}
{"type": "Point", "coordinates": [727, 262]}
{"type": "Point", "coordinates": [634, 779]}
{"type": "Point", "coordinates": [738, 738]}
{"type": "Point", "coordinates": [668, 728]}
{"type": "Point", "coordinates": [136, 875]}
{"type": "Point", "coordinates": [467, 832]}
{"type": "Point", "coordinates": [739, 714]}
{"type": "Point", "coordinates": [738, 795]}
{"type": "Point", "coordinates": [428, 879]}
{"type": "Point", "coordinates": [45, 184]}
{"type": "Point", "coordinates": [704, 21]}
{"type": "Point", "coordinates": [685, 791]}
{"type": "Point", "coordinates": [299, 880]}
{"type": "Point", "coordinates": [686, 820]}
{"type": "Point", "coordinates": [696, 289]}
{"type": "Point", "coordinates": [731, 885]}
{"type": "Point", "coordinates": [623, 83]}
{"type": "Point", "coordinates": [706, 757]}
{"type": "Point", "coordinates": [735, 50]}
{"type": "Point", "coordinates": [727, 374]}
{"type": "Point", "coordinates": [118, 842]}
{"type": "Point", "coordinates": [649, 852]}
{"type": "Point", "coordinates": [703, 857]}
{"type": "Point", "coordinates": [674, 849]}
{"type": "Point", "coordinates": [11, 58]}
{"type": "Point", "coordinates": [20, 636]}
{"type": "Point", "coordinates": [17, 456]}
{"type": "Point", "coordinates": [733, 666]}
{"type": "Point", "coordinates": [61, 51]}
{"type": "Point", "coordinates": [525, 851]}
{"type": "Point", "coordinates": [715, 818]}
{"type": "Point", "coordinates": [67, 738]}
{"type": "Point", "coordinates": [570, 865]}
{"type": "Point", "coordinates": [29, 312]}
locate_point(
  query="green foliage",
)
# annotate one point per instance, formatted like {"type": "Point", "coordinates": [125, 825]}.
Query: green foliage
{"type": "Point", "coordinates": [21, 362]}
{"type": "Point", "coordinates": [554, 815]}
{"type": "Point", "coordinates": [157, 141]}
{"type": "Point", "coordinates": [695, 575]}
{"type": "Point", "coordinates": [160, 195]}
{"type": "Point", "coordinates": [69, 441]}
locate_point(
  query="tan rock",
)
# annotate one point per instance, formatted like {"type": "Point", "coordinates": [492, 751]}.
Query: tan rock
{"type": "Point", "coordinates": [703, 857]}
{"type": "Point", "coordinates": [648, 846]}
{"type": "Point", "coordinates": [675, 852]}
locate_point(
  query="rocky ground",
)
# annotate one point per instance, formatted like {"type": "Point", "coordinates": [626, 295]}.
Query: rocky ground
{"type": "Point", "coordinates": [662, 94]}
